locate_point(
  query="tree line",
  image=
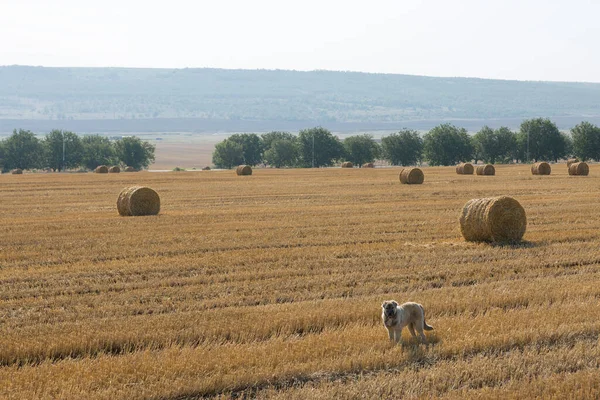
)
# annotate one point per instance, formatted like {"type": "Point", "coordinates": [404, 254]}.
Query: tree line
{"type": "Point", "coordinates": [538, 139]}
{"type": "Point", "coordinates": [60, 150]}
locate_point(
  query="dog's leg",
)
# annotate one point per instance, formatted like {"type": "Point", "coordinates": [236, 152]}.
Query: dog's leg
{"type": "Point", "coordinates": [398, 336]}
{"type": "Point", "coordinates": [391, 334]}
{"type": "Point", "coordinates": [411, 329]}
{"type": "Point", "coordinates": [419, 327]}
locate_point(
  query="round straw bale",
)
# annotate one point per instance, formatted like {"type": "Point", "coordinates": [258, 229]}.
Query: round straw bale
{"type": "Point", "coordinates": [368, 165]}
{"type": "Point", "coordinates": [572, 161]}
{"type": "Point", "coordinates": [541, 168]}
{"type": "Point", "coordinates": [347, 164]}
{"type": "Point", "coordinates": [101, 169]}
{"type": "Point", "coordinates": [114, 169]}
{"type": "Point", "coordinates": [494, 219]}
{"type": "Point", "coordinates": [487, 169]}
{"type": "Point", "coordinates": [412, 176]}
{"type": "Point", "coordinates": [465, 169]}
{"type": "Point", "coordinates": [138, 200]}
{"type": "Point", "coordinates": [16, 171]}
{"type": "Point", "coordinates": [579, 168]}
{"type": "Point", "coordinates": [244, 170]}
{"type": "Point", "coordinates": [129, 169]}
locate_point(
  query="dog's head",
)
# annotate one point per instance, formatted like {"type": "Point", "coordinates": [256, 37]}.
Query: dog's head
{"type": "Point", "coordinates": [389, 308]}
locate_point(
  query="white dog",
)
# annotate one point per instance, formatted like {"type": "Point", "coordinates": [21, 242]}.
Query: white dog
{"type": "Point", "coordinates": [409, 314]}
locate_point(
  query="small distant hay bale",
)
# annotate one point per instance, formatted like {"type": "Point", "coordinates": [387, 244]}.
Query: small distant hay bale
{"type": "Point", "coordinates": [579, 168]}
{"type": "Point", "coordinates": [101, 169]}
{"type": "Point", "coordinates": [493, 219]}
{"type": "Point", "coordinates": [411, 176]}
{"type": "Point", "coordinates": [465, 169]}
{"type": "Point", "coordinates": [129, 169]}
{"type": "Point", "coordinates": [244, 170]}
{"type": "Point", "coordinates": [138, 200]}
{"type": "Point", "coordinates": [16, 171]}
{"type": "Point", "coordinates": [114, 169]}
{"type": "Point", "coordinates": [487, 169]}
{"type": "Point", "coordinates": [572, 161]}
{"type": "Point", "coordinates": [347, 164]}
{"type": "Point", "coordinates": [541, 168]}
{"type": "Point", "coordinates": [207, 168]}
{"type": "Point", "coordinates": [368, 165]}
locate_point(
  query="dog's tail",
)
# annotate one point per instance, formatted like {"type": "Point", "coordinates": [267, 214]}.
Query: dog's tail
{"type": "Point", "coordinates": [425, 326]}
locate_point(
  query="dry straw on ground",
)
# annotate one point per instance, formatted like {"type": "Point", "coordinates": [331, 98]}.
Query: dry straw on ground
{"type": "Point", "coordinates": [129, 169]}
{"type": "Point", "coordinates": [114, 169]}
{"type": "Point", "coordinates": [101, 169]}
{"type": "Point", "coordinates": [16, 171]}
{"type": "Point", "coordinates": [347, 164]}
{"type": "Point", "coordinates": [487, 169]}
{"type": "Point", "coordinates": [244, 170]}
{"type": "Point", "coordinates": [368, 165]}
{"type": "Point", "coordinates": [572, 161]}
{"type": "Point", "coordinates": [494, 219]}
{"type": "Point", "coordinates": [138, 200]}
{"type": "Point", "coordinates": [579, 168]}
{"type": "Point", "coordinates": [541, 168]}
{"type": "Point", "coordinates": [465, 169]}
{"type": "Point", "coordinates": [412, 176]}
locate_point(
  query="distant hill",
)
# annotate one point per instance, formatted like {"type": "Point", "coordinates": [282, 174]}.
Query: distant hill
{"type": "Point", "coordinates": [264, 97]}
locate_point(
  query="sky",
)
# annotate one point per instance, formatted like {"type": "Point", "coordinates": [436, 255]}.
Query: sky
{"type": "Point", "coordinates": [546, 40]}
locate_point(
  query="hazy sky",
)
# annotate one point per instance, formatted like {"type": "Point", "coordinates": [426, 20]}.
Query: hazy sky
{"type": "Point", "coordinates": [510, 39]}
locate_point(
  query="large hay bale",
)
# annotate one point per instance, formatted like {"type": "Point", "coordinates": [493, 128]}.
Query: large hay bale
{"type": "Point", "coordinates": [579, 168]}
{"type": "Point", "coordinates": [347, 164]}
{"type": "Point", "coordinates": [411, 176]}
{"type": "Point", "coordinates": [114, 169]}
{"type": "Point", "coordinates": [101, 169]}
{"type": "Point", "coordinates": [465, 169]}
{"type": "Point", "coordinates": [494, 219]}
{"type": "Point", "coordinates": [487, 169]}
{"type": "Point", "coordinates": [368, 165]}
{"type": "Point", "coordinates": [129, 169]}
{"type": "Point", "coordinates": [244, 170]}
{"type": "Point", "coordinates": [572, 161]}
{"type": "Point", "coordinates": [16, 171]}
{"type": "Point", "coordinates": [541, 168]}
{"type": "Point", "coordinates": [138, 200]}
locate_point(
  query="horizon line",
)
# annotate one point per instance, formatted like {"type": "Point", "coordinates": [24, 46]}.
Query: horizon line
{"type": "Point", "coordinates": [297, 70]}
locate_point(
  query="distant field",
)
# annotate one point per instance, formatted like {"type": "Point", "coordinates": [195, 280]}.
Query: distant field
{"type": "Point", "coordinates": [184, 151]}
{"type": "Point", "coordinates": [270, 286]}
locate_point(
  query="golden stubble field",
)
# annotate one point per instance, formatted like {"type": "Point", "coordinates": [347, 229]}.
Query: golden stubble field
{"type": "Point", "coordinates": [270, 286]}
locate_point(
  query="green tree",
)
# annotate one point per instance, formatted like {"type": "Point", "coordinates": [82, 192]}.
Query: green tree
{"type": "Point", "coordinates": [543, 140]}
{"type": "Point", "coordinates": [402, 148]}
{"type": "Point", "coordinates": [447, 145]}
{"type": "Point", "coordinates": [586, 141]}
{"type": "Point", "coordinates": [23, 150]}
{"type": "Point", "coordinates": [361, 149]}
{"type": "Point", "coordinates": [320, 145]}
{"type": "Point", "coordinates": [282, 153]}
{"type": "Point", "coordinates": [270, 137]}
{"type": "Point", "coordinates": [507, 149]}
{"type": "Point", "coordinates": [2, 154]}
{"type": "Point", "coordinates": [251, 146]}
{"type": "Point", "coordinates": [134, 152]}
{"type": "Point", "coordinates": [492, 146]}
{"type": "Point", "coordinates": [63, 150]}
{"type": "Point", "coordinates": [228, 154]}
{"type": "Point", "coordinates": [97, 150]}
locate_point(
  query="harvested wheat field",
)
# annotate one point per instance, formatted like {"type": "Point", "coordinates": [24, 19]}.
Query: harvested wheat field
{"type": "Point", "coordinates": [271, 287]}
